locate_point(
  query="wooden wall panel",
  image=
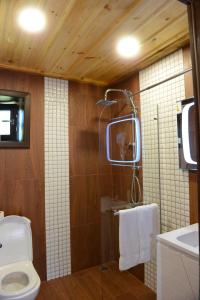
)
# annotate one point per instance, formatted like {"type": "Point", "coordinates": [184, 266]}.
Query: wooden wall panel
{"type": "Point", "coordinates": [193, 175]}
{"type": "Point", "coordinates": [22, 170]}
{"type": "Point", "coordinates": [89, 178]}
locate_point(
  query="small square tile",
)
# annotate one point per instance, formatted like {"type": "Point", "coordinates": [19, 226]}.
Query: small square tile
{"type": "Point", "coordinates": [57, 205]}
{"type": "Point", "coordinates": [174, 182]}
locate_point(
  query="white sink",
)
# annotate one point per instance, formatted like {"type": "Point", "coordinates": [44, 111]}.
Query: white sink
{"type": "Point", "coordinates": [178, 264]}
{"type": "Point", "coordinates": [190, 238]}
{"type": "Point", "coordinates": [185, 239]}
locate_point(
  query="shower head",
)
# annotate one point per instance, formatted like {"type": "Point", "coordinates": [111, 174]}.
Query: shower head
{"type": "Point", "coordinates": [105, 102]}
{"type": "Point", "coordinates": [128, 96]}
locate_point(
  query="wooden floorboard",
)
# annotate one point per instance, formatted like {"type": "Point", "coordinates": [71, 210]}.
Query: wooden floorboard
{"type": "Point", "coordinates": [94, 284]}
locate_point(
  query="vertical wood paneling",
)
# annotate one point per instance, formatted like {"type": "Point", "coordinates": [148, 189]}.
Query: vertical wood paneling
{"type": "Point", "coordinates": [193, 176]}
{"type": "Point", "coordinates": [22, 170]}
{"type": "Point", "coordinates": [89, 179]}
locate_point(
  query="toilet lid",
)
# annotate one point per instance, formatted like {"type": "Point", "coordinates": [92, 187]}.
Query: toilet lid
{"type": "Point", "coordinates": [15, 240]}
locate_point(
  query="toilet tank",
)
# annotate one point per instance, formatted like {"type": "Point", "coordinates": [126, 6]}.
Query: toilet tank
{"type": "Point", "coordinates": [15, 240]}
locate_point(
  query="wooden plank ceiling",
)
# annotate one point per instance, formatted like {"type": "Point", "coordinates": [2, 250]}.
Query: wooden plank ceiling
{"type": "Point", "coordinates": [80, 37]}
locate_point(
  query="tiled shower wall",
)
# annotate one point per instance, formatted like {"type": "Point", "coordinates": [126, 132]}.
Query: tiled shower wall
{"type": "Point", "coordinates": [57, 202]}
{"type": "Point", "coordinates": [163, 181]}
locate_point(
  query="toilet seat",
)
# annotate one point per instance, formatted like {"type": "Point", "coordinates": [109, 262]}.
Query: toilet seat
{"type": "Point", "coordinates": [24, 269]}
{"type": "Point", "coordinates": [18, 277]}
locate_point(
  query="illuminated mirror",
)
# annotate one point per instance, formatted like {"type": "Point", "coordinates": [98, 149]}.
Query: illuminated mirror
{"type": "Point", "coordinates": [187, 134]}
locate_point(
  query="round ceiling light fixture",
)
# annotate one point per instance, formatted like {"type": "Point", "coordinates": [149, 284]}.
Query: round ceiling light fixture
{"type": "Point", "coordinates": [128, 47]}
{"type": "Point", "coordinates": [32, 20]}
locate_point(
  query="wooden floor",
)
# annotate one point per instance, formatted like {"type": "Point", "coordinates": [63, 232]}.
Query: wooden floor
{"type": "Point", "coordinates": [94, 284]}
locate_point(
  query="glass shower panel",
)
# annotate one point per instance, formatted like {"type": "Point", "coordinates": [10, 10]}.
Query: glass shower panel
{"type": "Point", "coordinates": [116, 188]}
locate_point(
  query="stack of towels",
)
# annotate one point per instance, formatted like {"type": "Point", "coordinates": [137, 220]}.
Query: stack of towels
{"type": "Point", "coordinates": [138, 228]}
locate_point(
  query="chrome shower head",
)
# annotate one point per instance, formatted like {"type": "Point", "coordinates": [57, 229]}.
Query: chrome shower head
{"type": "Point", "coordinates": [105, 102]}
{"type": "Point", "coordinates": [128, 96]}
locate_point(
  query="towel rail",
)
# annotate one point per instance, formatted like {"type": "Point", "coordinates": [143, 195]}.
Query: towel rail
{"type": "Point", "coordinates": [116, 212]}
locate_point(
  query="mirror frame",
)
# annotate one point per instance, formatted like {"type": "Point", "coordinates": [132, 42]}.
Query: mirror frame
{"type": "Point", "coordinates": [26, 140]}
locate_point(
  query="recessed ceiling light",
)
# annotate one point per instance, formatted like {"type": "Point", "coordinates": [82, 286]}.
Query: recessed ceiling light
{"type": "Point", "coordinates": [32, 19]}
{"type": "Point", "coordinates": [128, 47]}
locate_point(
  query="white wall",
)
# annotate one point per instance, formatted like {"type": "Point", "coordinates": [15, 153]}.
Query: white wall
{"type": "Point", "coordinates": [57, 201]}
{"type": "Point", "coordinates": [174, 182]}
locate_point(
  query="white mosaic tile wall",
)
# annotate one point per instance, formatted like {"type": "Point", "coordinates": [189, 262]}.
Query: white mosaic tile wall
{"type": "Point", "coordinates": [174, 191]}
{"type": "Point", "coordinates": [57, 201]}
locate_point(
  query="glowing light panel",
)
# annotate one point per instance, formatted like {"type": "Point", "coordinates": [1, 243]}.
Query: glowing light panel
{"type": "Point", "coordinates": [31, 20]}
{"type": "Point", "coordinates": [128, 47]}
{"type": "Point", "coordinates": [185, 134]}
{"type": "Point", "coordinates": [135, 122]}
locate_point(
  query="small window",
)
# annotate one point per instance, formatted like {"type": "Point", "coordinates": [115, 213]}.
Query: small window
{"type": "Point", "coordinates": [14, 119]}
{"type": "Point", "coordinates": [5, 122]}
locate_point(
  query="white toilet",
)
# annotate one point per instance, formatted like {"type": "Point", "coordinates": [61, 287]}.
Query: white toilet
{"type": "Point", "coordinates": [18, 277]}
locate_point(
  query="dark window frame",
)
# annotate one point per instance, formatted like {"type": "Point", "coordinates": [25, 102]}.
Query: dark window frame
{"type": "Point", "coordinates": [26, 141]}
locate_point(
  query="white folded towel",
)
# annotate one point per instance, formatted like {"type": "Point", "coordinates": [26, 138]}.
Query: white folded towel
{"type": "Point", "coordinates": [138, 228]}
{"type": "Point", "coordinates": [128, 242]}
